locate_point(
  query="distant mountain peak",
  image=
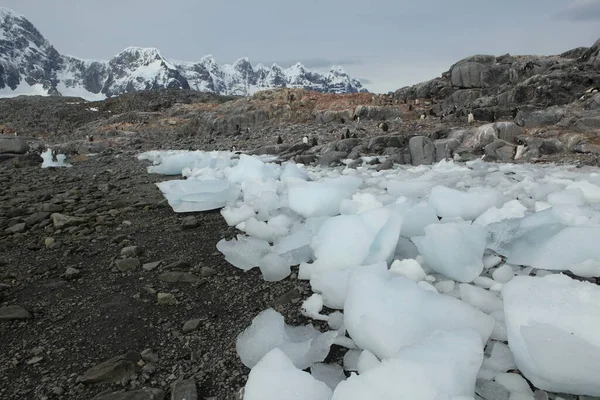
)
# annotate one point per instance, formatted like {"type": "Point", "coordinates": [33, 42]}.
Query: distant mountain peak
{"type": "Point", "coordinates": [29, 64]}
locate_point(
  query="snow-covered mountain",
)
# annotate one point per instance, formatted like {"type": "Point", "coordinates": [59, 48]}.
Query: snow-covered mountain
{"type": "Point", "coordinates": [29, 64]}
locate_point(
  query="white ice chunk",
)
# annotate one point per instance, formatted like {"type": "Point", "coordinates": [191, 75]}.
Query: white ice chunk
{"type": "Point", "coordinates": [193, 195]}
{"type": "Point", "coordinates": [276, 378]}
{"type": "Point", "coordinates": [466, 205]}
{"type": "Point", "coordinates": [329, 374]}
{"type": "Point", "coordinates": [315, 199]}
{"type": "Point", "coordinates": [453, 249]}
{"type": "Point", "coordinates": [312, 307]}
{"type": "Point", "coordinates": [274, 267]}
{"type": "Point", "coordinates": [510, 210]}
{"type": "Point", "coordinates": [445, 286]}
{"type": "Point", "coordinates": [501, 358]}
{"type": "Point", "coordinates": [591, 192]}
{"type": "Point", "coordinates": [333, 285]}
{"type": "Point", "coordinates": [553, 325]}
{"type": "Point", "coordinates": [412, 188]}
{"type": "Point", "coordinates": [360, 202]}
{"type": "Point", "coordinates": [503, 274]}
{"type": "Point", "coordinates": [514, 383]}
{"type": "Point", "coordinates": [479, 298]}
{"type": "Point", "coordinates": [383, 316]}
{"type": "Point", "coordinates": [244, 252]}
{"type": "Point", "coordinates": [572, 197]}
{"type": "Point", "coordinates": [304, 345]}
{"type": "Point", "coordinates": [415, 219]}
{"type": "Point", "coordinates": [367, 361]}
{"type": "Point", "coordinates": [295, 247]}
{"type": "Point", "coordinates": [408, 268]}
{"type": "Point", "coordinates": [235, 215]}
{"type": "Point", "coordinates": [442, 366]}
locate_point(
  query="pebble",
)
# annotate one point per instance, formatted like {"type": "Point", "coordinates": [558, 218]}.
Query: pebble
{"type": "Point", "coordinates": [191, 325]}
{"type": "Point", "coordinates": [206, 272]}
{"type": "Point", "coordinates": [166, 299]}
{"type": "Point", "coordinates": [178, 277]}
{"type": "Point", "coordinates": [184, 390]}
{"type": "Point", "coordinates": [151, 265]}
{"type": "Point", "coordinates": [17, 228]}
{"type": "Point", "coordinates": [127, 264]}
{"type": "Point", "coordinates": [149, 356]}
{"type": "Point", "coordinates": [10, 313]}
{"type": "Point", "coordinates": [72, 273]}
{"type": "Point", "coordinates": [131, 251]}
{"type": "Point", "coordinates": [189, 222]}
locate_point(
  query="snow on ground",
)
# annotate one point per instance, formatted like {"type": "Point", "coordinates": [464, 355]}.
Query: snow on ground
{"type": "Point", "coordinates": [58, 162]}
{"type": "Point", "coordinates": [425, 272]}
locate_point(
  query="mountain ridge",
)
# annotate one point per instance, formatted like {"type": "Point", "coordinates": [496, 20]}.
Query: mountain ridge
{"type": "Point", "coordinates": [29, 64]}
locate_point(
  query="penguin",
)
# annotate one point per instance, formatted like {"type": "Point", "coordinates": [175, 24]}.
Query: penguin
{"type": "Point", "coordinates": [90, 138]}
{"type": "Point", "coordinates": [347, 133]}
{"type": "Point", "coordinates": [16, 133]}
{"type": "Point", "coordinates": [54, 155]}
{"type": "Point", "coordinates": [384, 126]}
{"type": "Point", "coordinates": [422, 116]}
{"type": "Point", "coordinates": [279, 139]}
{"type": "Point", "coordinates": [314, 141]}
{"type": "Point", "coordinates": [470, 118]}
{"type": "Point", "coordinates": [342, 137]}
{"type": "Point", "coordinates": [305, 140]}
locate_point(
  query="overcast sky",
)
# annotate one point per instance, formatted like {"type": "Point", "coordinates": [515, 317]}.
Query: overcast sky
{"type": "Point", "coordinates": [385, 43]}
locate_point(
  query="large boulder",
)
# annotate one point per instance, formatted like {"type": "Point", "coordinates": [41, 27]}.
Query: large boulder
{"type": "Point", "coordinates": [13, 145]}
{"type": "Point", "coordinates": [500, 150]}
{"type": "Point", "coordinates": [548, 116]}
{"type": "Point", "coordinates": [422, 150]}
{"type": "Point", "coordinates": [444, 148]}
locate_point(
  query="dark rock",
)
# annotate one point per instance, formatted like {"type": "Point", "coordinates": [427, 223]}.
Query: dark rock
{"type": "Point", "coordinates": [10, 313]}
{"type": "Point", "coordinates": [142, 394]}
{"type": "Point", "coordinates": [132, 251]}
{"type": "Point", "coordinates": [178, 277]}
{"type": "Point", "coordinates": [36, 218]}
{"type": "Point", "coordinates": [189, 222]}
{"type": "Point", "coordinates": [444, 148]}
{"type": "Point", "coordinates": [62, 221]}
{"type": "Point", "coordinates": [112, 370]}
{"type": "Point", "coordinates": [184, 390]}
{"type": "Point", "coordinates": [332, 158]}
{"type": "Point", "coordinates": [422, 150]}
{"type": "Point", "coordinates": [127, 264]}
{"type": "Point", "coordinates": [191, 325]}
{"type": "Point", "coordinates": [14, 145]}
{"type": "Point", "coordinates": [346, 144]}
{"type": "Point", "coordinates": [500, 150]}
{"type": "Point", "coordinates": [17, 228]}
{"type": "Point", "coordinates": [548, 116]}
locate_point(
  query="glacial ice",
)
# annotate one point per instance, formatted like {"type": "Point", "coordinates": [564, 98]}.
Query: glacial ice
{"type": "Point", "coordinates": [304, 345]}
{"type": "Point", "coordinates": [416, 260]}
{"type": "Point", "coordinates": [553, 325]}
{"type": "Point", "coordinates": [47, 162]}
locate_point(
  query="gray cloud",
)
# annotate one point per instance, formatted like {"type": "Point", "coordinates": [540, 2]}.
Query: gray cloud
{"type": "Point", "coordinates": [365, 81]}
{"type": "Point", "coordinates": [586, 10]}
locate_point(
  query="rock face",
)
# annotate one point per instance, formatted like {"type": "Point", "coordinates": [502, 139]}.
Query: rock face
{"type": "Point", "coordinates": [13, 145]}
{"type": "Point", "coordinates": [495, 87]}
{"type": "Point", "coordinates": [29, 64]}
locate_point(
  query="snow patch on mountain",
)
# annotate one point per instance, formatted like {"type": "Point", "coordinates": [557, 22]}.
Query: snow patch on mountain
{"type": "Point", "coordinates": [29, 64]}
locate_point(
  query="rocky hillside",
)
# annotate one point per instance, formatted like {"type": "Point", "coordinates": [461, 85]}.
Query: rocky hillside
{"type": "Point", "coordinates": [511, 87]}
{"type": "Point", "coordinates": [29, 64]}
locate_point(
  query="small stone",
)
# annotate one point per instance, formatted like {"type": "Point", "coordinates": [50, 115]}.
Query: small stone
{"type": "Point", "coordinates": [149, 356]}
{"type": "Point", "coordinates": [288, 297]}
{"type": "Point", "coordinates": [72, 273]}
{"type": "Point", "coordinates": [112, 370]}
{"type": "Point", "coordinates": [11, 313]}
{"type": "Point", "coordinates": [189, 222]}
{"type": "Point", "coordinates": [58, 391]}
{"type": "Point", "coordinates": [127, 264]}
{"type": "Point", "coordinates": [151, 266]}
{"type": "Point", "coordinates": [34, 360]}
{"type": "Point", "coordinates": [131, 251]}
{"type": "Point", "coordinates": [17, 228]}
{"type": "Point", "coordinates": [206, 272]}
{"type": "Point", "coordinates": [53, 208]}
{"type": "Point", "coordinates": [140, 394]}
{"type": "Point", "coordinates": [62, 221]}
{"type": "Point", "coordinates": [178, 277]}
{"type": "Point", "coordinates": [49, 241]}
{"type": "Point", "coordinates": [184, 390]}
{"type": "Point", "coordinates": [166, 299]}
{"type": "Point", "coordinates": [191, 325]}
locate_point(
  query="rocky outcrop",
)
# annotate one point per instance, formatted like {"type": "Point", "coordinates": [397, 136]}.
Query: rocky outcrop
{"type": "Point", "coordinates": [495, 88]}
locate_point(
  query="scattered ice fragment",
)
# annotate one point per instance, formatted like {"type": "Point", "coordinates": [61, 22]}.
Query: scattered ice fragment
{"type": "Point", "coordinates": [235, 215]}
{"type": "Point", "coordinates": [501, 358]}
{"type": "Point", "coordinates": [482, 299]}
{"type": "Point", "coordinates": [367, 361]}
{"type": "Point", "coordinates": [573, 197]}
{"type": "Point", "coordinates": [276, 378]}
{"type": "Point", "coordinates": [384, 315]}
{"type": "Point", "coordinates": [312, 308]}
{"type": "Point", "coordinates": [330, 374]}
{"type": "Point", "coordinates": [244, 252]}
{"type": "Point", "coordinates": [445, 286]}
{"type": "Point", "coordinates": [553, 325]}
{"type": "Point", "coordinates": [514, 383]}
{"type": "Point", "coordinates": [194, 195]}
{"type": "Point", "coordinates": [304, 345]}
{"type": "Point", "coordinates": [453, 249]}
{"type": "Point", "coordinates": [466, 205]}
{"type": "Point", "coordinates": [510, 210]}
{"type": "Point", "coordinates": [351, 360]}
{"type": "Point", "coordinates": [314, 199]}
{"type": "Point", "coordinates": [443, 365]}
{"type": "Point", "coordinates": [274, 267]}
{"type": "Point", "coordinates": [503, 274]}
{"type": "Point", "coordinates": [490, 261]}
{"type": "Point", "coordinates": [408, 268]}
